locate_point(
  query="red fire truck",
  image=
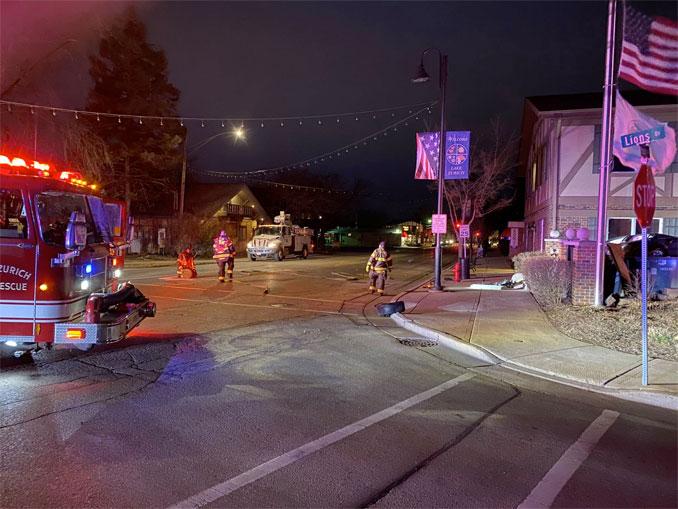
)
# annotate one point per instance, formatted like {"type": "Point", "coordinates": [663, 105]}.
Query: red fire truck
{"type": "Point", "coordinates": [61, 259]}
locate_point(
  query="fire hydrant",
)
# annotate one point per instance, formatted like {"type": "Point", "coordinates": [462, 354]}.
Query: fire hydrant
{"type": "Point", "coordinates": [457, 272]}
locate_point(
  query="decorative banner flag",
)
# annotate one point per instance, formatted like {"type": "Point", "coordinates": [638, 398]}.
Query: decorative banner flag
{"type": "Point", "coordinates": [628, 121]}
{"type": "Point", "coordinates": [650, 52]}
{"type": "Point", "coordinates": [456, 155]}
{"type": "Point", "coordinates": [427, 156]}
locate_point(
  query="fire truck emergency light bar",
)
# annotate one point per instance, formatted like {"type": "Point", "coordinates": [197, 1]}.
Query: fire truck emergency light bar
{"type": "Point", "coordinates": [41, 170]}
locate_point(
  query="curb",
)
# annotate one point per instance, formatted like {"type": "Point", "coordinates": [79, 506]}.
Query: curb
{"type": "Point", "coordinates": [477, 353]}
{"type": "Point", "coordinates": [661, 400]}
{"type": "Point", "coordinates": [656, 399]}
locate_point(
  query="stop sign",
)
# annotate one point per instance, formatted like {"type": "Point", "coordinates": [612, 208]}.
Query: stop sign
{"type": "Point", "coordinates": [644, 196]}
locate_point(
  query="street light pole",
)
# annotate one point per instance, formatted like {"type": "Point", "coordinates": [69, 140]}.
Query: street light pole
{"type": "Point", "coordinates": [422, 77]}
{"type": "Point", "coordinates": [441, 172]}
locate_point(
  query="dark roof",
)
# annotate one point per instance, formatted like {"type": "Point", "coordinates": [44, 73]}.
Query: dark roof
{"type": "Point", "coordinates": [207, 199]}
{"type": "Point", "coordinates": [595, 100]}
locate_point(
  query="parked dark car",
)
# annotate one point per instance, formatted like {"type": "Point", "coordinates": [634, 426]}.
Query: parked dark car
{"type": "Point", "coordinates": [662, 260]}
{"type": "Point", "coordinates": [658, 244]}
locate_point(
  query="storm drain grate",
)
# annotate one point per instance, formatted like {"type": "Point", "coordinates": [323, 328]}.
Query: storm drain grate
{"type": "Point", "coordinates": [418, 342]}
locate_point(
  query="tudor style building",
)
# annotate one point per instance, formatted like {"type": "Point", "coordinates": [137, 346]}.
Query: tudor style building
{"type": "Point", "coordinates": [560, 161]}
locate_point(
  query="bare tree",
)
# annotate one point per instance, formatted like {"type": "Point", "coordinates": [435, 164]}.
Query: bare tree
{"type": "Point", "coordinates": [490, 182]}
{"type": "Point", "coordinates": [88, 152]}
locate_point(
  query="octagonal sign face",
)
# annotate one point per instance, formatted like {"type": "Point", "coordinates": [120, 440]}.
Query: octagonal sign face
{"type": "Point", "coordinates": [644, 193]}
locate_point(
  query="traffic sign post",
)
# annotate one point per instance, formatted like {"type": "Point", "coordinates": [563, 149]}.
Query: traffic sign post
{"type": "Point", "coordinates": [464, 233]}
{"type": "Point", "coordinates": [644, 193]}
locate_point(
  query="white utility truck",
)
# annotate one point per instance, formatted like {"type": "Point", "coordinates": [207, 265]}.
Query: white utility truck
{"type": "Point", "coordinates": [280, 240]}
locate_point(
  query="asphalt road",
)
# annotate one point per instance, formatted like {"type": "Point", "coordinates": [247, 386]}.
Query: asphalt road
{"type": "Point", "coordinates": [233, 397]}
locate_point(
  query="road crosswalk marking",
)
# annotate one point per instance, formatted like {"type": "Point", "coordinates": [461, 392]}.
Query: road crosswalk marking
{"type": "Point", "coordinates": [554, 481]}
{"type": "Point", "coordinates": [214, 493]}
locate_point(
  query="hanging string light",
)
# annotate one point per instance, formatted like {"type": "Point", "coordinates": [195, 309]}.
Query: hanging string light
{"type": "Point", "coordinates": [319, 158]}
{"type": "Point", "coordinates": [205, 120]}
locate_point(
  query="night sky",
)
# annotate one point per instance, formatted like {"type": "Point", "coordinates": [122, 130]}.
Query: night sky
{"type": "Point", "coordinates": [259, 59]}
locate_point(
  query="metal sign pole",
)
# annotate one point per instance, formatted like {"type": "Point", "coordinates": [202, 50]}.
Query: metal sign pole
{"type": "Point", "coordinates": [643, 268]}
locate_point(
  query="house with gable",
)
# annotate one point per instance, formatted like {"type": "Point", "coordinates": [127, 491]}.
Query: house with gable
{"type": "Point", "coordinates": [560, 162]}
{"type": "Point", "coordinates": [233, 206]}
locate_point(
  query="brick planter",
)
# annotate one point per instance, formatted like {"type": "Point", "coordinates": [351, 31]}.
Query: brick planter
{"type": "Point", "coordinates": [582, 254]}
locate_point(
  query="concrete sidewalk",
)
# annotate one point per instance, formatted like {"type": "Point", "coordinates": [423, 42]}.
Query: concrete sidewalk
{"type": "Point", "coordinates": [507, 327]}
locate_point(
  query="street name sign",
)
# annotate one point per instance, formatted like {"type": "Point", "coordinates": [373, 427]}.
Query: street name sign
{"type": "Point", "coordinates": [439, 223]}
{"type": "Point", "coordinates": [464, 231]}
{"type": "Point", "coordinates": [643, 137]}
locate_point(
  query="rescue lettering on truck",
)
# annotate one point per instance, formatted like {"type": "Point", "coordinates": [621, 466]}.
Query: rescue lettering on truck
{"type": "Point", "coordinates": [61, 259]}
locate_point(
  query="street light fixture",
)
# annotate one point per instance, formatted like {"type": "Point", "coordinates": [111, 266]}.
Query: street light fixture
{"type": "Point", "coordinates": [422, 77]}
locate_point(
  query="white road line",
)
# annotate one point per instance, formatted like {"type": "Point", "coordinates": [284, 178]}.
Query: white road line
{"type": "Point", "coordinates": [554, 481]}
{"type": "Point", "coordinates": [268, 296]}
{"type": "Point", "coordinates": [214, 493]}
{"type": "Point", "coordinates": [159, 297]}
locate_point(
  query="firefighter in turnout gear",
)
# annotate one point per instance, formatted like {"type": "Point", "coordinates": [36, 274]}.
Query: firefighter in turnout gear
{"type": "Point", "coordinates": [377, 267]}
{"type": "Point", "coordinates": [186, 260]}
{"type": "Point", "coordinates": [224, 254]}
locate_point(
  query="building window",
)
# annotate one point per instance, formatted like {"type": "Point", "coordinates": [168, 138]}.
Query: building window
{"type": "Point", "coordinates": [593, 228]}
{"type": "Point", "coordinates": [596, 148]}
{"type": "Point", "coordinates": [671, 225]}
{"type": "Point", "coordinates": [538, 167]}
{"type": "Point", "coordinates": [534, 176]}
{"type": "Point", "coordinates": [618, 227]}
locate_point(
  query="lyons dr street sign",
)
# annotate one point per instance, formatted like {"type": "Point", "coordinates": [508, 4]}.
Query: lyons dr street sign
{"type": "Point", "coordinates": [643, 137]}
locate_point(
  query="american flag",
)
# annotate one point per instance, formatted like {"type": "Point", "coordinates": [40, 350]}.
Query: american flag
{"type": "Point", "coordinates": [428, 152]}
{"type": "Point", "coordinates": [650, 52]}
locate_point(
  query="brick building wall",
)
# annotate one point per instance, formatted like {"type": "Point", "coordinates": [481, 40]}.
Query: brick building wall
{"type": "Point", "coordinates": [582, 254]}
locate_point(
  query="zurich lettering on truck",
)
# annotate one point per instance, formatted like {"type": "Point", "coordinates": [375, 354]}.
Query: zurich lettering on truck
{"type": "Point", "coordinates": [15, 271]}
